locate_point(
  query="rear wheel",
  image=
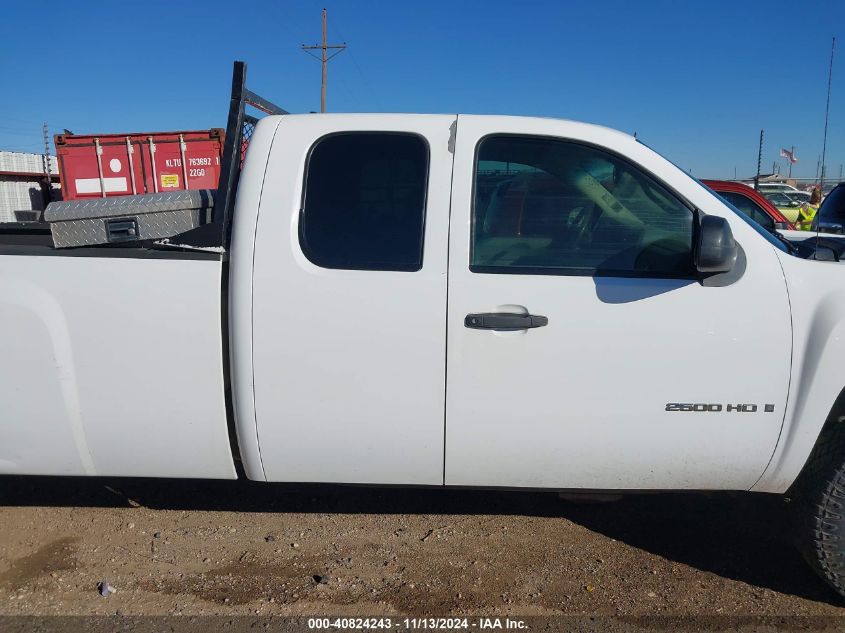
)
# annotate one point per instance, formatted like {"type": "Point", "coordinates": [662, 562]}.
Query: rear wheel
{"type": "Point", "coordinates": [821, 508]}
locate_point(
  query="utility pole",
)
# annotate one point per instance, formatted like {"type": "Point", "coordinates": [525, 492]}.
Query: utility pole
{"type": "Point", "coordinates": [790, 161]}
{"type": "Point", "coordinates": [324, 59]}
{"type": "Point", "coordinates": [826, 113]}
{"type": "Point", "coordinates": [45, 161]}
{"type": "Point", "coordinates": [759, 162]}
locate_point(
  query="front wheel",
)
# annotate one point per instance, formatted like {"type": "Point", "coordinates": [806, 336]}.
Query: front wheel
{"type": "Point", "coordinates": [821, 509]}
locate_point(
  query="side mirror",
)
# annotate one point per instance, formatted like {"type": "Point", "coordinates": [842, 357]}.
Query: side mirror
{"type": "Point", "coordinates": [716, 250]}
{"type": "Point", "coordinates": [781, 225]}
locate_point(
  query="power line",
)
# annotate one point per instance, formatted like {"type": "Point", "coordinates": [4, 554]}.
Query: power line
{"type": "Point", "coordinates": [324, 59]}
{"type": "Point", "coordinates": [17, 131]}
{"type": "Point", "coordinates": [6, 117]}
{"type": "Point", "coordinates": [360, 71]}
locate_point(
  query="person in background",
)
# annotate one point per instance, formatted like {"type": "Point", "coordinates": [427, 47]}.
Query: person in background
{"type": "Point", "coordinates": [807, 211]}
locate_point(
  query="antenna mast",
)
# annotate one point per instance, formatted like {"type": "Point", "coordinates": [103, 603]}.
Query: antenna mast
{"type": "Point", "coordinates": [826, 113]}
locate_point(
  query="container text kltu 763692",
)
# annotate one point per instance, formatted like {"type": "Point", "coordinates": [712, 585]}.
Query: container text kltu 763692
{"type": "Point", "coordinates": [103, 165]}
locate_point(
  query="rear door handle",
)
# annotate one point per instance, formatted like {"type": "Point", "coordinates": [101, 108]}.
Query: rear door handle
{"type": "Point", "coordinates": [504, 321]}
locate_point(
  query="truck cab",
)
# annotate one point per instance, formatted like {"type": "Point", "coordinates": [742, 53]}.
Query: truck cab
{"type": "Point", "coordinates": [377, 239]}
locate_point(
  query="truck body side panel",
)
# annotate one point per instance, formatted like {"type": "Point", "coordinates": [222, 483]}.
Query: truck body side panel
{"type": "Point", "coordinates": [112, 366]}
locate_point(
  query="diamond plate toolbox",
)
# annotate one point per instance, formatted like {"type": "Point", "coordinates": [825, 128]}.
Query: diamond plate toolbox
{"type": "Point", "coordinates": [127, 218]}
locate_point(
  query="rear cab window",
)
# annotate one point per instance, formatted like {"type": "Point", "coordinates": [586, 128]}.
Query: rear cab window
{"type": "Point", "coordinates": [364, 201]}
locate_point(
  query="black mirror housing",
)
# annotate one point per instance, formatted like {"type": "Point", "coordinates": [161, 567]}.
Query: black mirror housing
{"type": "Point", "coordinates": [716, 250]}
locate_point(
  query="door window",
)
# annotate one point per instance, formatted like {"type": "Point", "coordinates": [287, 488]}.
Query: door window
{"type": "Point", "coordinates": [364, 202]}
{"type": "Point", "coordinates": [545, 206]}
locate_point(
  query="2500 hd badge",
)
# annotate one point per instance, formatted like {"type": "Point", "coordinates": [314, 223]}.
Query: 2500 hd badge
{"type": "Point", "coordinates": [716, 408]}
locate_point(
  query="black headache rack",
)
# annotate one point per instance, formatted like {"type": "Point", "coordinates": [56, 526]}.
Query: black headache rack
{"type": "Point", "coordinates": [239, 129]}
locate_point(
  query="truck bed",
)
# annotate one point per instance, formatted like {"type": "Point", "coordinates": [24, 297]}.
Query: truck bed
{"type": "Point", "coordinates": [118, 360]}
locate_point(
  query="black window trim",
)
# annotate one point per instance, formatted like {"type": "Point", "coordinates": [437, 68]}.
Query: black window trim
{"type": "Point", "coordinates": [693, 275]}
{"type": "Point", "coordinates": [303, 243]}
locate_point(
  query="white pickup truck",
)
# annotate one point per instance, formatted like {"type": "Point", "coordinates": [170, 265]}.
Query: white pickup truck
{"type": "Point", "coordinates": [436, 301]}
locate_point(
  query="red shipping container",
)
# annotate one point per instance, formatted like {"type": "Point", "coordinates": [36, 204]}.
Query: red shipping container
{"type": "Point", "coordinates": [101, 165]}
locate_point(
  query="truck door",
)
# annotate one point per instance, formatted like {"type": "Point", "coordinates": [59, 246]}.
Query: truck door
{"type": "Point", "coordinates": [349, 300]}
{"type": "Point", "coordinates": [584, 351]}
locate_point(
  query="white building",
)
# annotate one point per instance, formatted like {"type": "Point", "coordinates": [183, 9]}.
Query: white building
{"type": "Point", "coordinates": [23, 185]}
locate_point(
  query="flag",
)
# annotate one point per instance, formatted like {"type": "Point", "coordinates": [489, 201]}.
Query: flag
{"type": "Point", "coordinates": [785, 153]}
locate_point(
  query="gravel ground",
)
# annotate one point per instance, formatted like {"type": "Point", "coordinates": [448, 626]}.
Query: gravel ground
{"type": "Point", "coordinates": [237, 548]}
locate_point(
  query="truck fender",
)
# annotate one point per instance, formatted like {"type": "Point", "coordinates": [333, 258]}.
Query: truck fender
{"type": "Point", "coordinates": [817, 389]}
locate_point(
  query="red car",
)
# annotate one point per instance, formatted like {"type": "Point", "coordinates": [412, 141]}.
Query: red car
{"type": "Point", "coordinates": [751, 203]}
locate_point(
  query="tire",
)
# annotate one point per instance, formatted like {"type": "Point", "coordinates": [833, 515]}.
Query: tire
{"type": "Point", "coordinates": [820, 497]}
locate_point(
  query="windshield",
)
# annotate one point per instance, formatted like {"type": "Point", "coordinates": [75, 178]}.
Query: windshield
{"type": "Point", "coordinates": [779, 199]}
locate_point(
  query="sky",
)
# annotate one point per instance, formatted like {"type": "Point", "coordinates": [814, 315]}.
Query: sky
{"type": "Point", "coordinates": [696, 80]}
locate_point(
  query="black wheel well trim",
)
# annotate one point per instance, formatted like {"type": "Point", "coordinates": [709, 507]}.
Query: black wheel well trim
{"type": "Point", "coordinates": [835, 417]}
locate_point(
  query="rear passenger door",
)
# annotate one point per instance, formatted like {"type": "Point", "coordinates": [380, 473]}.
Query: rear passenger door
{"type": "Point", "coordinates": [349, 300]}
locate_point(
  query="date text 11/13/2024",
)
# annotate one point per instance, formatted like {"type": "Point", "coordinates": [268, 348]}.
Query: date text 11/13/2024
{"type": "Point", "coordinates": [415, 624]}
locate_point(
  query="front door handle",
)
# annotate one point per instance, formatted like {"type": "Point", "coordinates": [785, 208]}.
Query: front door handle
{"type": "Point", "coordinates": [504, 321]}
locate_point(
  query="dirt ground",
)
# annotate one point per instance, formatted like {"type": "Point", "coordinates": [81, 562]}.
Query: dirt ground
{"type": "Point", "coordinates": [251, 549]}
